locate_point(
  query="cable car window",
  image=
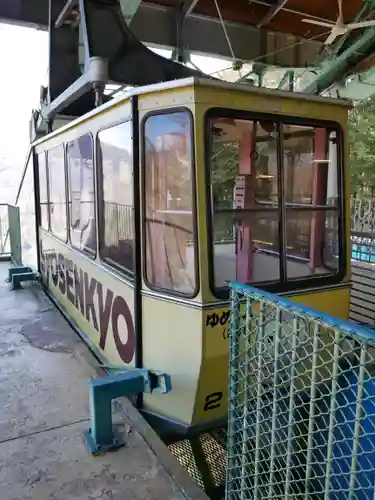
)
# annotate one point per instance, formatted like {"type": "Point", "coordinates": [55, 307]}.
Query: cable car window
{"type": "Point", "coordinates": [57, 192]}
{"type": "Point", "coordinates": [312, 203]}
{"type": "Point", "coordinates": [82, 194]}
{"type": "Point", "coordinates": [169, 203]}
{"type": "Point", "coordinates": [116, 206]}
{"type": "Point", "coordinates": [43, 194]}
{"type": "Point", "coordinates": [275, 219]}
{"type": "Point", "coordinates": [245, 198]}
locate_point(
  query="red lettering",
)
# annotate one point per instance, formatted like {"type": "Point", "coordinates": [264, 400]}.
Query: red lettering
{"type": "Point", "coordinates": [81, 295]}
{"type": "Point", "coordinates": [104, 313]}
{"type": "Point", "coordinates": [89, 300]}
{"type": "Point", "coordinates": [44, 267]}
{"type": "Point", "coordinates": [54, 270]}
{"type": "Point", "coordinates": [69, 281]}
{"type": "Point", "coordinates": [120, 308]}
{"type": "Point", "coordinates": [61, 269]}
{"type": "Point", "coordinates": [78, 285]}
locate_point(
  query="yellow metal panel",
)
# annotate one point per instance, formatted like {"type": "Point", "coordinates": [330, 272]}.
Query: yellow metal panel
{"type": "Point", "coordinates": [91, 124]}
{"type": "Point", "coordinates": [213, 377]}
{"type": "Point", "coordinates": [202, 205]}
{"type": "Point", "coordinates": [333, 302]}
{"type": "Point", "coordinates": [212, 396]}
{"type": "Point", "coordinates": [172, 342]}
{"type": "Point", "coordinates": [269, 103]}
{"type": "Point", "coordinates": [154, 101]}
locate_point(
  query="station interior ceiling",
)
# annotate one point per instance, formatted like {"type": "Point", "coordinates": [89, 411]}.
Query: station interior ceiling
{"type": "Point", "coordinates": [287, 44]}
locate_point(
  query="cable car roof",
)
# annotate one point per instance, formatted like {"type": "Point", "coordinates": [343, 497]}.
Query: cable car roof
{"type": "Point", "coordinates": [202, 82]}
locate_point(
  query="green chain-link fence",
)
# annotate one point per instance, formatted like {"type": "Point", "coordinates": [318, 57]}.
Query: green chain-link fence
{"type": "Point", "coordinates": [301, 402]}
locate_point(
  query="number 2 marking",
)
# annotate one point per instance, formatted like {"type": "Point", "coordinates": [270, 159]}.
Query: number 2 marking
{"type": "Point", "coordinates": [212, 401]}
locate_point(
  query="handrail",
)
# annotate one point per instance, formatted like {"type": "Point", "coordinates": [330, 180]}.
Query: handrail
{"type": "Point", "coordinates": [23, 175]}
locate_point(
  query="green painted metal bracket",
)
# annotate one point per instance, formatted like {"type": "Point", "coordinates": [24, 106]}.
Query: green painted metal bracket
{"type": "Point", "coordinates": [359, 88]}
{"type": "Point", "coordinates": [101, 436]}
{"type": "Point", "coordinates": [181, 56]}
{"type": "Point", "coordinates": [334, 69]}
{"type": "Point", "coordinates": [287, 79]}
{"type": "Point", "coordinates": [15, 234]}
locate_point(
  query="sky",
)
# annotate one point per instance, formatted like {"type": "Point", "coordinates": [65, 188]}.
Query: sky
{"type": "Point", "coordinates": [24, 58]}
{"type": "Point", "coordinates": [24, 63]}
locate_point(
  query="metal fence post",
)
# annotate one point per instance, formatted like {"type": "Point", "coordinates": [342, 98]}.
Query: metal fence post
{"type": "Point", "coordinates": [15, 234]}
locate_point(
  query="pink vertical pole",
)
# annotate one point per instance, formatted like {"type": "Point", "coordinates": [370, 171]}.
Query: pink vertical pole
{"type": "Point", "coordinates": [244, 196]}
{"type": "Point", "coordinates": [318, 198]}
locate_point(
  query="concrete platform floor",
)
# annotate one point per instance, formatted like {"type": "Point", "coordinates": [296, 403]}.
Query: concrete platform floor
{"type": "Point", "coordinates": [44, 373]}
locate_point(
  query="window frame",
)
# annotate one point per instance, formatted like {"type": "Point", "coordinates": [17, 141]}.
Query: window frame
{"type": "Point", "coordinates": [89, 254]}
{"type": "Point", "coordinates": [127, 274]}
{"type": "Point", "coordinates": [166, 291]}
{"type": "Point", "coordinates": [47, 151]}
{"type": "Point", "coordinates": [284, 284]}
{"type": "Point", "coordinates": [44, 152]}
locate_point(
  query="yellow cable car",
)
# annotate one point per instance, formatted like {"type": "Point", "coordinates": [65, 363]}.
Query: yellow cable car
{"type": "Point", "coordinates": [149, 204]}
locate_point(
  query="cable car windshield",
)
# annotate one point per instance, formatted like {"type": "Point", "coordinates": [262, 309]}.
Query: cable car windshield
{"type": "Point", "coordinates": [274, 201]}
{"type": "Point", "coordinates": [169, 204]}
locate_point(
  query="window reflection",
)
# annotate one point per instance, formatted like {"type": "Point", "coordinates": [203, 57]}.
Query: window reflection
{"type": "Point", "coordinates": [310, 165]}
{"type": "Point", "coordinates": [82, 194]}
{"type": "Point", "coordinates": [311, 245]}
{"type": "Point", "coordinates": [57, 191]}
{"type": "Point", "coordinates": [169, 203]}
{"type": "Point", "coordinates": [253, 214]}
{"type": "Point", "coordinates": [43, 194]}
{"type": "Point", "coordinates": [245, 194]}
{"type": "Point", "coordinates": [117, 235]}
{"type": "Point", "coordinates": [231, 253]}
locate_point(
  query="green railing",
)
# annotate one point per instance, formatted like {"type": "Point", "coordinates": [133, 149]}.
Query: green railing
{"type": "Point", "coordinates": [301, 402]}
{"type": "Point", "coordinates": [18, 231]}
{"type": "Point", "coordinates": [10, 234]}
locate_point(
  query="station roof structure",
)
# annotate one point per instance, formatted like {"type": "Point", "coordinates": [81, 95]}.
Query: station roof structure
{"type": "Point", "coordinates": [273, 33]}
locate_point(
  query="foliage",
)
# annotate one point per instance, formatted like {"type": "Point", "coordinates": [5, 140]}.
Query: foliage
{"type": "Point", "coordinates": [362, 147]}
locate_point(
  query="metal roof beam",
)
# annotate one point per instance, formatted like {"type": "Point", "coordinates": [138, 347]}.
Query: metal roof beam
{"type": "Point", "coordinates": [272, 13]}
{"type": "Point", "coordinates": [187, 7]}
{"type": "Point", "coordinates": [359, 87]}
{"type": "Point", "coordinates": [156, 25]}
{"type": "Point", "coordinates": [339, 45]}
{"type": "Point", "coordinates": [291, 11]}
{"type": "Point", "coordinates": [333, 70]}
{"type": "Point", "coordinates": [35, 14]}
